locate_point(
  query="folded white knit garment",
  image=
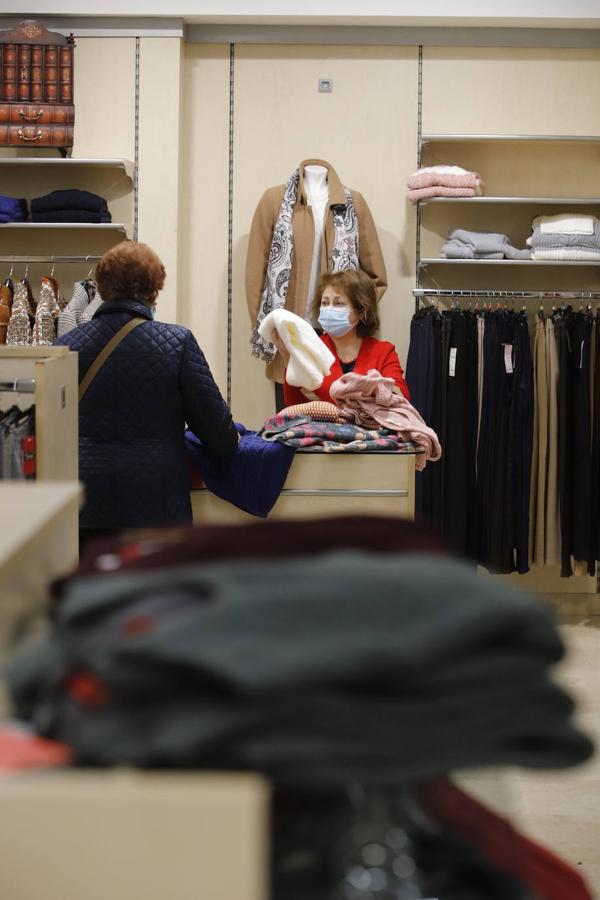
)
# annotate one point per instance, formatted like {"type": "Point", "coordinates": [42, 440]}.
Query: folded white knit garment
{"type": "Point", "coordinates": [566, 253]}
{"type": "Point", "coordinates": [310, 359]}
{"type": "Point", "coordinates": [442, 170]}
{"type": "Point", "coordinates": [564, 223]}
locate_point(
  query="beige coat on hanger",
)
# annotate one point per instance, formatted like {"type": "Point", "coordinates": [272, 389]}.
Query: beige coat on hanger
{"type": "Point", "coordinates": [303, 230]}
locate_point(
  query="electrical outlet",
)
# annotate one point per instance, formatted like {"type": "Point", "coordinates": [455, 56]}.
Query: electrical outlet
{"type": "Point", "coordinates": [325, 85]}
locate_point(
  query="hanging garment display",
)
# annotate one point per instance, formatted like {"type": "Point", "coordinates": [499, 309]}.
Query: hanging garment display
{"type": "Point", "coordinates": [46, 314]}
{"type": "Point", "coordinates": [84, 302]}
{"type": "Point", "coordinates": [478, 390]}
{"type": "Point", "coordinates": [17, 435]}
{"type": "Point", "coordinates": [21, 317]}
{"type": "Point", "coordinates": [6, 299]}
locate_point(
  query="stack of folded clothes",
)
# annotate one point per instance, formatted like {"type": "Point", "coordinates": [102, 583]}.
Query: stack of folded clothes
{"type": "Point", "coordinates": [12, 210]}
{"type": "Point", "coordinates": [443, 181]}
{"type": "Point", "coordinates": [70, 206]}
{"type": "Point", "coordinates": [566, 236]}
{"type": "Point", "coordinates": [462, 244]}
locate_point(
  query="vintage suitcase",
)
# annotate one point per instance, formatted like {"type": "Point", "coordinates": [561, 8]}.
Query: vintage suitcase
{"type": "Point", "coordinates": [36, 88]}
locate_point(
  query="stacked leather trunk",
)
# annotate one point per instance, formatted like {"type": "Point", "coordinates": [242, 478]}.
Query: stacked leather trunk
{"type": "Point", "coordinates": [36, 88]}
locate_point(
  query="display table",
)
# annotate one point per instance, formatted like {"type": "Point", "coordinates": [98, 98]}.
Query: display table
{"type": "Point", "coordinates": [39, 528]}
{"type": "Point", "coordinates": [328, 484]}
{"type": "Point", "coordinates": [121, 835]}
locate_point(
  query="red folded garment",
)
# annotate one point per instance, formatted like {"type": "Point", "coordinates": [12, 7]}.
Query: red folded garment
{"type": "Point", "coordinates": [21, 749]}
{"type": "Point", "coordinates": [540, 870]}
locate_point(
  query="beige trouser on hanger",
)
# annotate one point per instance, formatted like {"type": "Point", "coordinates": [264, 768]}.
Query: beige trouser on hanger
{"type": "Point", "coordinates": [539, 462]}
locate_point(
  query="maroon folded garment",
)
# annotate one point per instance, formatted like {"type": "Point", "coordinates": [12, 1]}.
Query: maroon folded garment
{"type": "Point", "coordinates": [167, 547]}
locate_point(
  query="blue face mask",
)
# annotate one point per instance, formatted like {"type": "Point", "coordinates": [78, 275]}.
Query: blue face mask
{"type": "Point", "coordinates": [335, 320]}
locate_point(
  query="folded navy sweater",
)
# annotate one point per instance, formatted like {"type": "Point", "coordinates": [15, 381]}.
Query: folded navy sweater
{"type": "Point", "coordinates": [71, 215]}
{"type": "Point", "coordinates": [69, 199]}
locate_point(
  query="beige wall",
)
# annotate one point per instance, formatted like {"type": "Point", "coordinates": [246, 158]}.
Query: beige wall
{"type": "Point", "coordinates": [204, 200]}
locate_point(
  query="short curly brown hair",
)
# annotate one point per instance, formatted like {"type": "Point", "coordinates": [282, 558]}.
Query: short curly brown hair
{"type": "Point", "coordinates": [130, 271]}
{"type": "Point", "coordinates": [360, 291]}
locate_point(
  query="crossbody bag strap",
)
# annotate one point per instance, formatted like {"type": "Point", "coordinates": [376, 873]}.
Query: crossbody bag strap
{"type": "Point", "coordinates": [105, 353]}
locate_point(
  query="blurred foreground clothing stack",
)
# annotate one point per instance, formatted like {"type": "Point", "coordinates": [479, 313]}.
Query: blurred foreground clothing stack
{"type": "Point", "coordinates": [334, 656]}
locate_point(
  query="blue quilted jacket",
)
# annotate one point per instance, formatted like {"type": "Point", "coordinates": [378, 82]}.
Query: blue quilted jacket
{"type": "Point", "coordinates": [132, 457]}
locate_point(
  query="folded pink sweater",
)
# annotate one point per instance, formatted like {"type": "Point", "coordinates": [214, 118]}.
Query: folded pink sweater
{"type": "Point", "coordinates": [439, 191]}
{"type": "Point", "coordinates": [371, 402]}
{"type": "Point", "coordinates": [424, 179]}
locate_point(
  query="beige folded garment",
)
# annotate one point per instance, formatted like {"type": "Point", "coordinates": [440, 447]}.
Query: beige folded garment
{"type": "Point", "coordinates": [566, 253]}
{"type": "Point", "coordinates": [310, 359]}
{"type": "Point", "coordinates": [564, 223]}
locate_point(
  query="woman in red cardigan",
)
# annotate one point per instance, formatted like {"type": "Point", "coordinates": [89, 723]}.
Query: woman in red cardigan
{"type": "Point", "coordinates": [346, 308]}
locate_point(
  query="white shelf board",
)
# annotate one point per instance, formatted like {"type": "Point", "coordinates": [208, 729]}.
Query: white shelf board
{"type": "Point", "coordinates": [532, 201]}
{"type": "Point", "coordinates": [429, 137]}
{"type": "Point", "coordinates": [79, 226]}
{"type": "Point", "coordinates": [431, 261]}
{"type": "Point", "coordinates": [125, 164]}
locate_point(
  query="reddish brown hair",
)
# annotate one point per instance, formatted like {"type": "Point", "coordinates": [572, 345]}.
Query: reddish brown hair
{"type": "Point", "coordinates": [130, 271]}
{"type": "Point", "coordinates": [360, 291]}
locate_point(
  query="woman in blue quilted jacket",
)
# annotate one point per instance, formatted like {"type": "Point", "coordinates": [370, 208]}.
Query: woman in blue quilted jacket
{"type": "Point", "coordinates": [132, 416]}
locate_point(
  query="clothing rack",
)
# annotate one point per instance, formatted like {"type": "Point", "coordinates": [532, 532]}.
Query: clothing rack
{"type": "Point", "coordinates": [455, 294]}
{"type": "Point", "coordinates": [19, 385]}
{"type": "Point", "coordinates": [48, 259]}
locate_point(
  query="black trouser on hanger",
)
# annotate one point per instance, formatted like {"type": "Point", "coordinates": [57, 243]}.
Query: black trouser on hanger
{"type": "Point", "coordinates": [501, 557]}
{"type": "Point", "coordinates": [461, 433]}
{"type": "Point", "coordinates": [595, 462]}
{"type": "Point", "coordinates": [565, 429]}
{"type": "Point", "coordinates": [581, 439]}
{"type": "Point", "coordinates": [420, 377]}
{"type": "Point", "coordinates": [438, 424]}
{"type": "Point", "coordinates": [521, 443]}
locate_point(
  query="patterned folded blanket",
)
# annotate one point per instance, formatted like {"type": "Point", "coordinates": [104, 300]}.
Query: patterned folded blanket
{"type": "Point", "coordinates": [331, 437]}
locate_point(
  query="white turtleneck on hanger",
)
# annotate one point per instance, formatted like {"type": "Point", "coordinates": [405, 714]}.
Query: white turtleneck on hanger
{"type": "Point", "coordinates": [317, 195]}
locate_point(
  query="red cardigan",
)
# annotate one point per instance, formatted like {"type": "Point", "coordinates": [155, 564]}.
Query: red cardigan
{"type": "Point", "coordinates": [373, 354]}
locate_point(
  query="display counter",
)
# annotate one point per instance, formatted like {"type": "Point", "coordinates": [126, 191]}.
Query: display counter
{"type": "Point", "coordinates": [39, 526]}
{"type": "Point", "coordinates": [328, 484]}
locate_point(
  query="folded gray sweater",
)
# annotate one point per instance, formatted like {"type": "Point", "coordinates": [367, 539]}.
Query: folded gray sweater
{"type": "Point", "coordinates": [480, 242]}
{"type": "Point", "coordinates": [541, 241]}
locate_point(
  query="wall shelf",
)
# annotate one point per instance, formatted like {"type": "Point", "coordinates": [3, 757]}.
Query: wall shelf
{"type": "Point", "coordinates": [428, 138]}
{"type": "Point", "coordinates": [530, 201]}
{"type": "Point", "coordinates": [68, 226]}
{"type": "Point", "coordinates": [434, 261]}
{"type": "Point", "coordinates": [126, 165]}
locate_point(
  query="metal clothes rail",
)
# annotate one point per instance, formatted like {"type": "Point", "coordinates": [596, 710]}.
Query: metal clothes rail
{"type": "Point", "coordinates": [20, 385]}
{"type": "Point", "coordinates": [48, 259]}
{"type": "Point", "coordinates": [455, 294]}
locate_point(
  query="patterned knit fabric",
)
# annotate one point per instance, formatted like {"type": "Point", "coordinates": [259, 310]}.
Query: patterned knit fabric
{"type": "Point", "coordinates": [19, 326]}
{"type": "Point", "coordinates": [44, 329]}
{"type": "Point", "coordinates": [317, 410]}
{"type": "Point", "coordinates": [331, 437]}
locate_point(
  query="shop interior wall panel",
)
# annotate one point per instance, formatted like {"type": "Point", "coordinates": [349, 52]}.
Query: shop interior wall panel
{"type": "Point", "coordinates": [204, 192]}
{"type": "Point", "coordinates": [105, 97]}
{"type": "Point", "coordinates": [159, 138]}
{"type": "Point", "coordinates": [511, 90]}
{"type": "Point", "coordinates": [366, 128]}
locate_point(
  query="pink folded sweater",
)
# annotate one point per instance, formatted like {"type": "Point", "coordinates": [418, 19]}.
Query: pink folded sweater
{"type": "Point", "coordinates": [372, 403]}
{"type": "Point", "coordinates": [439, 191]}
{"type": "Point", "coordinates": [426, 178]}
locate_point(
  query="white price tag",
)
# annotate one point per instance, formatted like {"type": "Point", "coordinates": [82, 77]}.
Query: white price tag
{"type": "Point", "coordinates": [452, 364]}
{"type": "Point", "coordinates": [508, 360]}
